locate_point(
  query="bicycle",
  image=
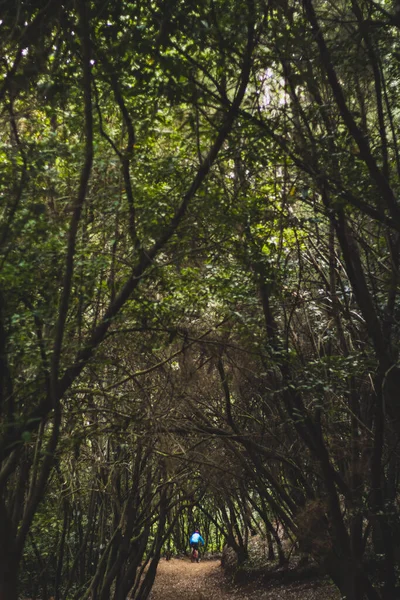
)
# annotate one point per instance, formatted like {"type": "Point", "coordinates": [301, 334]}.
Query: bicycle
{"type": "Point", "coordinates": [195, 555]}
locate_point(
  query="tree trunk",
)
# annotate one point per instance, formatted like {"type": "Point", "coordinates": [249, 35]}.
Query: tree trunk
{"type": "Point", "coordinates": [351, 581]}
{"type": "Point", "coordinates": [242, 555]}
{"type": "Point", "coordinates": [9, 559]}
{"type": "Point", "coordinates": [271, 553]}
{"type": "Point", "coordinates": [8, 575]}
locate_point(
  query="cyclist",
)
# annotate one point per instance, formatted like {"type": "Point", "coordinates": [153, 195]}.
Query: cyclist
{"type": "Point", "coordinates": [195, 540]}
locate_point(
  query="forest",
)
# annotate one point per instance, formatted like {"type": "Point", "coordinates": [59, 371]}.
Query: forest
{"type": "Point", "coordinates": [199, 289]}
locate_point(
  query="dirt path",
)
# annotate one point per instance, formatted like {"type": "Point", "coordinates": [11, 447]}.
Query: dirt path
{"type": "Point", "coordinates": [179, 579]}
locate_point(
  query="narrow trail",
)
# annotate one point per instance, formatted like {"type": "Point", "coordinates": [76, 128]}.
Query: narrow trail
{"type": "Point", "coordinates": [179, 579]}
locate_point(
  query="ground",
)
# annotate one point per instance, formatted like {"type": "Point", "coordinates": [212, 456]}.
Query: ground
{"type": "Point", "coordinates": [179, 579]}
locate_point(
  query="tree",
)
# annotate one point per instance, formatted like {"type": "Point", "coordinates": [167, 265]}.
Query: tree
{"type": "Point", "coordinates": [212, 209]}
{"type": "Point", "coordinates": [58, 77]}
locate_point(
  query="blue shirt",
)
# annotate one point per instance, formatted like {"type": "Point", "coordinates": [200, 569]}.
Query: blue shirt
{"type": "Point", "coordinates": [195, 538]}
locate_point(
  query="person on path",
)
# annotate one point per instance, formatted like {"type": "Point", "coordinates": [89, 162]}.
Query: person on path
{"type": "Point", "coordinates": [195, 540]}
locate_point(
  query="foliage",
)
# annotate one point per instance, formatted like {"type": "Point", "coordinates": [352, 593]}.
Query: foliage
{"type": "Point", "coordinates": [198, 289]}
